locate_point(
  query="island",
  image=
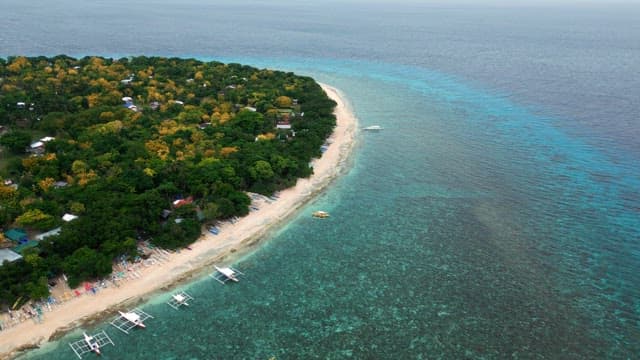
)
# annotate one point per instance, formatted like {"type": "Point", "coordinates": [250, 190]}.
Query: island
{"type": "Point", "coordinates": [104, 158]}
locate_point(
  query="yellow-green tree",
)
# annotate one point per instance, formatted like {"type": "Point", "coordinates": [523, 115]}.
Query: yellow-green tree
{"type": "Point", "coordinates": [35, 218]}
{"type": "Point", "coordinates": [284, 101]}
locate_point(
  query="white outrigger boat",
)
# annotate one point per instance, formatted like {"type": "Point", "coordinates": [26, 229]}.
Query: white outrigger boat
{"type": "Point", "coordinates": [128, 320]}
{"type": "Point", "coordinates": [224, 274]}
{"type": "Point", "coordinates": [179, 299]}
{"type": "Point", "coordinates": [373, 128]}
{"type": "Point", "coordinates": [91, 344]}
{"type": "Point", "coordinates": [133, 318]}
{"type": "Point", "coordinates": [320, 214]}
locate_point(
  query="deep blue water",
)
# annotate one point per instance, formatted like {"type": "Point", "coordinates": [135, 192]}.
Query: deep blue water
{"type": "Point", "coordinates": [496, 216]}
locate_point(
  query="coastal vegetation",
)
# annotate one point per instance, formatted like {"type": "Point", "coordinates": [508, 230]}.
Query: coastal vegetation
{"type": "Point", "coordinates": [101, 153]}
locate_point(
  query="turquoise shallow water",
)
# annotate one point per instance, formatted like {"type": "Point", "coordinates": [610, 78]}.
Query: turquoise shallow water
{"type": "Point", "coordinates": [496, 216]}
{"type": "Point", "coordinates": [469, 227]}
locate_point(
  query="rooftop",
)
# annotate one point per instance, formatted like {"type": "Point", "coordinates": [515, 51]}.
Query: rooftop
{"type": "Point", "coordinates": [8, 255]}
{"type": "Point", "coordinates": [15, 234]}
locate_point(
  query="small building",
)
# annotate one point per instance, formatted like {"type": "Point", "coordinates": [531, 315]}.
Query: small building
{"type": "Point", "coordinates": [286, 113]}
{"type": "Point", "coordinates": [181, 202]}
{"type": "Point", "coordinates": [16, 235]}
{"type": "Point", "coordinates": [45, 235]}
{"type": "Point", "coordinates": [8, 255]}
{"type": "Point", "coordinates": [250, 108]}
{"type": "Point", "coordinates": [24, 246]}
{"type": "Point", "coordinates": [165, 213]}
{"type": "Point", "coordinates": [36, 147]}
{"type": "Point", "coordinates": [60, 184]}
{"type": "Point", "coordinates": [69, 217]}
{"type": "Point", "coordinates": [283, 124]}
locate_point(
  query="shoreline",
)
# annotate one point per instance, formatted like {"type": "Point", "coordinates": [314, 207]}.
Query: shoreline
{"type": "Point", "coordinates": [179, 267]}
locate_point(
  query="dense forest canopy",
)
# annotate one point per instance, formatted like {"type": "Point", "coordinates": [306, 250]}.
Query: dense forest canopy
{"type": "Point", "coordinates": [118, 143]}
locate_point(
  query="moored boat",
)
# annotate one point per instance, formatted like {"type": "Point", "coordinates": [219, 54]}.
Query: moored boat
{"type": "Point", "coordinates": [320, 214]}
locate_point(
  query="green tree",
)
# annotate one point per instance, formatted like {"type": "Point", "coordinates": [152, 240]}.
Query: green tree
{"type": "Point", "coordinates": [85, 264]}
{"type": "Point", "coordinates": [37, 219]}
{"type": "Point", "coordinates": [284, 101]}
{"type": "Point", "coordinates": [249, 121]}
{"type": "Point", "coordinates": [38, 289]}
{"type": "Point", "coordinates": [16, 141]}
{"type": "Point", "coordinates": [261, 170]}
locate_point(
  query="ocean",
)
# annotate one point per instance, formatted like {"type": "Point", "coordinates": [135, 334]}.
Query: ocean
{"type": "Point", "coordinates": [497, 215]}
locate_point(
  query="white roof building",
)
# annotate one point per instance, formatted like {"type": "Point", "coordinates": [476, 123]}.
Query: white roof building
{"type": "Point", "coordinates": [69, 217]}
{"type": "Point", "coordinates": [8, 255]}
{"type": "Point", "coordinates": [36, 144]}
{"type": "Point", "coordinates": [45, 235]}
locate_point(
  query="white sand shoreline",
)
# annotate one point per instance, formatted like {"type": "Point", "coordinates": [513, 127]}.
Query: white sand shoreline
{"type": "Point", "coordinates": [209, 249]}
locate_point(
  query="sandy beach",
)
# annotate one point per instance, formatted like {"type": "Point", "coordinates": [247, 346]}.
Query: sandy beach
{"type": "Point", "coordinates": [177, 267]}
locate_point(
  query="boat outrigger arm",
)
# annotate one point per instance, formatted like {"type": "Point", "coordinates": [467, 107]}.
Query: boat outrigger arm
{"type": "Point", "coordinates": [91, 343]}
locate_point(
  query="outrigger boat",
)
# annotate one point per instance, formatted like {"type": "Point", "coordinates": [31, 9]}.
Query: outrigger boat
{"type": "Point", "coordinates": [179, 299]}
{"type": "Point", "coordinates": [131, 319]}
{"type": "Point", "coordinates": [373, 128]}
{"type": "Point", "coordinates": [91, 344]}
{"type": "Point", "coordinates": [320, 214]}
{"type": "Point", "coordinates": [224, 274]}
